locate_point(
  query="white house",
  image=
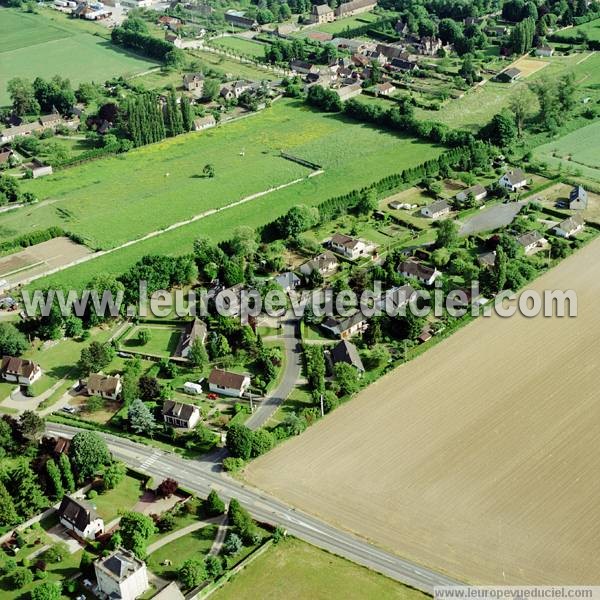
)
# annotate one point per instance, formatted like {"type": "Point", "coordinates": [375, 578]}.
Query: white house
{"type": "Point", "coordinates": [121, 575]}
{"type": "Point", "coordinates": [202, 123]}
{"type": "Point", "coordinates": [418, 271]}
{"type": "Point", "coordinates": [544, 50]}
{"type": "Point", "coordinates": [228, 383]}
{"type": "Point", "coordinates": [325, 263]}
{"type": "Point", "coordinates": [104, 386]}
{"type": "Point", "coordinates": [179, 414]}
{"type": "Point", "coordinates": [348, 246]}
{"type": "Point", "coordinates": [477, 191]}
{"type": "Point", "coordinates": [569, 227]}
{"type": "Point", "coordinates": [531, 241]}
{"type": "Point", "coordinates": [19, 370]}
{"type": "Point", "coordinates": [80, 518]}
{"type": "Point", "coordinates": [436, 209]}
{"type": "Point", "coordinates": [513, 180]}
{"type": "Point", "coordinates": [578, 198]}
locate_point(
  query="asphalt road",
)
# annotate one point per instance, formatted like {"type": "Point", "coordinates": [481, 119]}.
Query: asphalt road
{"type": "Point", "coordinates": [293, 366]}
{"type": "Point", "coordinates": [202, 475]}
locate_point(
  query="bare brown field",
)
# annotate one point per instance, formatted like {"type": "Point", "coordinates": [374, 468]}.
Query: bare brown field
{"type": "Point", "coordinates": [41, 258]}
{"type": "Point", "coordinates": [480, 458]}
{"type": "Point", "coordinates": [529, 66]}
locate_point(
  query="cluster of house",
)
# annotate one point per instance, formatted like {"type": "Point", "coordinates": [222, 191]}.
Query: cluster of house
{"type": "Point", "coordinates": [92, 11]}
{"type": "Point", "coordinates": [119, 574]}
{"type": "Point", "coordinates": [323, 13]}
{"type": "Point", "coordinates": [51, 121]}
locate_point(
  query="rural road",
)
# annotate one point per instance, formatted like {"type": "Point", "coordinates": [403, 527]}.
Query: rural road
{"type": "Point", "coordinates": [201, 476]}
{"type": "Point", "coordinates": [293, 366]}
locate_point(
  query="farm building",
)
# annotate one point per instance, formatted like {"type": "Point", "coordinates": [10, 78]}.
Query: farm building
{"type": "Point", "coordinates": [436, 209]}
{"type": "Point", "coordinates": [349, 91]}
{"type": "Point", "coordinates": [355, 7]}
{"type": "Point", "coordinates": [19, 370]}
{"type": "Point", "coordinates": [570, 227]}
{"type": "Point", "coordinates": [513, 180]}
{"type": "Point", "coordinates": [302, 67]}
{"type": "Point", "coordinates": [39, 169]}
{"type": "Point", "coordinates": [544, 50]}
{"type": "Point", "coordinates": [384, 89]}
{"type": "Point", "coordinates": [179, 414]}
{"type": "Point", "coordinates": [418, 271]}
{"type": "Point", "coordinates": [403, 64]}
{"type": "Point", "coordinates": [105, 386]}
{"type": "Point", "coordinates": [80, 518]}
{"type": "Point", "coordinates": [202, 123]}
{"type": "Point", "coordinates": [578, 198]}
{"type": "Point", "coordinates": [238, 19]}
{"type": "Point", "coordinates": [228, 383]}
{"type": "Point", "coordinates": [509, 75]}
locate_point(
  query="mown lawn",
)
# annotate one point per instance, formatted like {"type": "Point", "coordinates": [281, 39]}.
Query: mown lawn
{"type": "Point", "coordinates": [163, 339]}
{"type": "Point", "coordinates": [294, 569]}
{"type": "Point", "coordinates": [45, 45]}
{"type": "Point", "coordinates": [591, 29]}
{"type": "Point", "coordinates": [338, 27]}
{"type": "Point", "coordinates": [241, 46]}
{"type": "Point", "coordinates": [122, 498]}
{"type": "Point", "coordinates": [353, 155]}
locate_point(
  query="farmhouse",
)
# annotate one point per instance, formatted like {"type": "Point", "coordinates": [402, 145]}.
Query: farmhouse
{"type": "Point", "coordinates": [355, 7]}
{"type": "Point", "coordinates": [418, 271]}
{"type": "Point", "coordinates": [80, 518]}
{"type": "Point", "coordinates": [19, 370]}
{"type": "Point", "coordinates": [544, 50]}
{"type": "Point", "coordinates": [531, 241]}
{"type": "Point", "coordinates": [509, 75]}
{"type": "Point", "coordinates": [384, 89]}
{"type": "Point", "coordinates": [346, 327]}
{"type": "Point", "coordinates": [235, 90]}
{"type": "Point", "coordinates": [513, 180]}
{"type": "Point", "coordinates": [204, 123]}
{"type": "Point", "coordinates": [569, 227]}
{"type": "Point", "coordinates": [325, 263]}
{"type": "Point", "coordinates": [228, 383]}
{"type": "Point", "coordinates": [192, 331]}
{"type": "Point", "coordinates": [322, 13]}
{"type": "Point", "coordinates": [179, 414]}
{"type": "Point", "coordinates": [436, 209]}
{"type": "Point", "coordinates": [194, 82]}
{"type": "Point", "coordinates": [121, 575]}
{"type": "Point", "coordinates": [477, 191]}
{"type": "Point", "coordinates": [390, 51]}
{"type": "Point", "coordinates": [9, 134]}
{"type": "Point", "coordinates": [237, 19]}
{"type": "Point", "coordinates": [346, 352]}
{"type": "Point", "coordinates": [104, 386]}
{"type": "Point", "coordinates": [578, 198]}
{"type": "Point", "coordinates": [348, 246]}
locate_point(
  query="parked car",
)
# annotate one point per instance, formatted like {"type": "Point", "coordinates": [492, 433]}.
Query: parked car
{"type": "Point", "coordinates": [69, 409]}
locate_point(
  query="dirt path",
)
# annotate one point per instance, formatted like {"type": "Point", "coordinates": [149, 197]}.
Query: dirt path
{"type": "Point", "coordinates": [175, 535]}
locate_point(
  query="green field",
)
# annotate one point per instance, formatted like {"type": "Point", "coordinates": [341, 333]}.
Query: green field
{"type": "Point", "coordinates": [338, 27]}
{"type": "Point", "coordinates": [120, 499]}
{"type": "Point", "coordinates": [120, 198]}
{"type": "Point", "coordinates": [44, 45]}
{"type": "Point", "coordinates": [163, 340]}
{"type": "Point", "coordinates": [577, 151]}
{"type": "Point", "coordinates": [241, 46]}
{"type": "Point", "coordinates": [294, 569]}
{"type": "Point", "coordinates": [592, 29]}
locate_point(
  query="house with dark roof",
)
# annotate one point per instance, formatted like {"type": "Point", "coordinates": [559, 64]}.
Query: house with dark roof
{"type": "Point", "coordinates": [227, 383]}
{"type": "Point", "coordinates": [237, 18]}
{"type": "Point", "coordinates": [121, 575]}
{"type": "Point", "coordinates": [347, 352]}
{"type": "Point", "coordinates": [354, 7]}
{"type": "Point", "coordinates": [19, 370]}
{"type": "Point", "coordinates": [302, 67]}
{"type": "Point", "coordinates": [436, 209]}
{"type": "Point", "coordinates": [80, 518]}
{"type": "Point", "coordinates": [509, 75]}
{"type": "Point", "coordinates": [288, 281]}
{"type": "Point", "coordinates": [346, 327]}
{"type": "Point", "coordinates": [192, 331]}
{"type": "Point", "coordinates": [403, 64]}
{"type": "Point", "coordinates": [179, 414]}
{"type": "Point", "coordinates": [570, 227]}
{"type": "Point", "coordinates": [418, 271]}
{"type": "Point", "coordinates": [392, 301]}
{"type": "Point", "coordinates": [487, 259]}
{"type": "Point", "coordinates": [513, 180]}
{"type": "Point", "coordinates": [105, 386]}
{"type": "Point", "coordinates": [578, 198]}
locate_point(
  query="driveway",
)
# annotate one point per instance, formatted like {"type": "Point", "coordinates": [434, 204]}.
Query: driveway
{"type": "Point", "coordinates": [488, 219]}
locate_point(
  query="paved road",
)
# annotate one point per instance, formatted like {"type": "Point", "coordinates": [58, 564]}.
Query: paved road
{"type": "Point", "coordinates": [490, 218]}
{"type": "Point", "coordinates": [202, 475]}
{"type": "Point", "coordinates": [293, 367]}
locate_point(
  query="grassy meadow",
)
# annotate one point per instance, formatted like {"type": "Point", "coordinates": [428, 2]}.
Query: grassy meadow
{"type": "Point", "coordinates": [241, 45]}
{"type": "Point", "coordinates": [45, 44]}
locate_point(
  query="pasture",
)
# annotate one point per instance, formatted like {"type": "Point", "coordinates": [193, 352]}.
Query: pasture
{"type": "Point", "coordinates": [487, 473]}
{"type": "Point", "coordinates": [590, 29]}
{"type": "Point", "coordinates": [33, 45]}
{"type": "Point", "coordinates": [578, 151]}
{"type": "Point", "coordinates": [117, 199]}
{"type": "Point", "coordinates": [294, 569]}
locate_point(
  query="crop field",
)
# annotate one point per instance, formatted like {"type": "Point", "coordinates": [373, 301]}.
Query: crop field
{"type": "Point", "coordinates": [107, 204]}
{"type": "Point", "coordinates": [491, 483]}
{"type": "Point", "coordinates": [295, 569]}
{"type": "Point", "coordinates": [241, 46]}
{"type": "Point", "coordinates": [576, 151]}
{"type": "Point", "coordinates": [34, 45]}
